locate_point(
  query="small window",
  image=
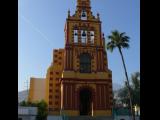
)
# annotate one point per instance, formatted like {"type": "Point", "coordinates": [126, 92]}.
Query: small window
{"type": "Point", "coordinates": [75, 36]}
{"type": "Point", "coordinates": [51, 73]}
{"type": "Point", "coordinates": [56, 103]}
{"type": "Point", "coordinates": [57, 84]}
{"type": "Point", "coordinates": [50, 96]}
{"type": "Point", "coordinates": [57, 90]}
{"type": "Point", "coordinates": [50, 102]}
{"type": "Point", "coordinates": [50, 90]}
{"type": "Point", "coordinates": [56, 96]}
{"type": "Point", "coordinates": [50, 84]}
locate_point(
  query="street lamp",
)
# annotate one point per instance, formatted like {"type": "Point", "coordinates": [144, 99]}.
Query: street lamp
{"type": "Point", "coordinates": [136, 109]}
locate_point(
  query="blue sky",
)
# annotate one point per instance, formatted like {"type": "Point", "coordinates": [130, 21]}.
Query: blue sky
{"type": "Point", "coordinates": [41, 29]}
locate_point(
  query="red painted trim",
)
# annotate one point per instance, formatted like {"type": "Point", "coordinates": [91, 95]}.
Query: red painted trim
{"type": "Point", "coordinates": [68, 59]}
{"type": "Point", "coordinates": [73, 97]}
{"type": "Point", "coordinates": [97, 59]}
{"type": "Point", "coordinates": [76, 100]}
{"type": "Point", "coordinates": [64, 96]}
{"type": "Point", "coordinates": [103, 60]}
{"type": "Point", "coordinates": [98, 94]}
{"type": "Point", "coordinates": [107, 96]}
{"type": "Point", "coordinates": [100, 59]}
{"type": "Point", "coordinates": [67, 32]}
{"type": "Point", "coordinates": [69, 96]}
{"type": "Point", "coordinates": [100, 35]}
{"type": "Point", "coordinates": [71, 59]}
{"type": "Point", "coordinates": [102, 96]}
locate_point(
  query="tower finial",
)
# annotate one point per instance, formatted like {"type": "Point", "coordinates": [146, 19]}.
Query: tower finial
{"type": "Point", "coordinates": [69, 13]}
{"type": "Point", "coordinates": [98, 16]}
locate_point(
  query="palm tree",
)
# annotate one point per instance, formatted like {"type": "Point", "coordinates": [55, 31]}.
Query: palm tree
{"type": "Point", "coordinates": [120, 40]}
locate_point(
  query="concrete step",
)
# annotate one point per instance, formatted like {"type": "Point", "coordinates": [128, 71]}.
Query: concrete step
{"type": "Point", "coordinates": [79, 118]}
{"type": "Point", "coordinates": [90, 118]}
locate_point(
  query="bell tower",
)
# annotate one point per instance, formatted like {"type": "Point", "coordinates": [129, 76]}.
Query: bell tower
{"type": "Point", "coordinates": [83, 31]}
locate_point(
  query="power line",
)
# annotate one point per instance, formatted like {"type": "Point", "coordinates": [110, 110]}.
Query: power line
{"type": "Point", "coordinates": [36, 29]}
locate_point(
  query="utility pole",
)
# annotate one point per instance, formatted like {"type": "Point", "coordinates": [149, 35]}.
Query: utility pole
{"type": "Point", "coordinates": [27, 86]}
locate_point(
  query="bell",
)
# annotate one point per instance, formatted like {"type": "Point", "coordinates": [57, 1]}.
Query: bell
{"type": "Point", "coordinates": [92, 34]}
{"type": "Point", "coordinates": [83, 14]}
{"type": "Point", "coordinates": [83, 34]}
{"type": "Point", "coordinates": [75, 34]}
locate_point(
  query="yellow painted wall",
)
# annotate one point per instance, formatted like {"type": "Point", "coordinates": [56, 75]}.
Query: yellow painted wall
{"type": "Point", "coordinates": [37, 89]}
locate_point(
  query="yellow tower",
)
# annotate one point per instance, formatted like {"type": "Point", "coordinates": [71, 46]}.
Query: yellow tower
{"type": "Point", "coordinates": [78, 82]}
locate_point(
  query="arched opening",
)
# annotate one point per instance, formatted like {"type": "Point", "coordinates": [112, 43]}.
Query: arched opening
{"type": "Point", "coordinates": [83, 15]}
{"type": "Point", "coordinates": [85, 102]}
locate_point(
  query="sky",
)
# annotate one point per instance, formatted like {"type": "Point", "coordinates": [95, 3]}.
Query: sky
{"type": "Point", "coordinates": [41, 29]}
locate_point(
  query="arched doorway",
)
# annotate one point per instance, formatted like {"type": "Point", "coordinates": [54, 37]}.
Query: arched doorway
{"type": "Point", "coordinates": [85, 102]}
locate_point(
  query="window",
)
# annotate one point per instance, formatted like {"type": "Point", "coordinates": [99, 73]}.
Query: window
{"type": "Point", "coordinates": [50, 84]}
{"type": "Point", "coordinates": [56, 96]}
{"type": "Point", "coordinates": [83, 36]}
{"type": "Point", "coordinates": [56, 103]}
{"type": "Point", "coordinates": [85, 63]}
{"type": "Point", "coordinates": [56, 90]}
{"type": "Point", "coordinates": [50, 103]}
{"type": "Point", "coordinates": [75, 36]}
{"type": "Point", "coordinates": [50, 96]}
{"type": "Point", "coordinates": [57, 84]}
{"type": "Point", "coordinates": [50, 90]}
{"type": "Point", "coordinates": [57, 73]}
{"type": "Point", "coordinates": [84, 15]}
{"type": "Point", "coordinates": [51, 73]}
{"type": "Point", "coordinates": [92, 36]}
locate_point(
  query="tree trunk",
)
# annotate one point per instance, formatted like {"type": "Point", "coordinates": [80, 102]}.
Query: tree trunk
{"type": "Point", "coordinates": [128, 85]}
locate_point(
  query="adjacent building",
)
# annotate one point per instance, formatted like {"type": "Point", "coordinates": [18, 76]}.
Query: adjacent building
{"type": "Point", "coordinates": [27, 113]}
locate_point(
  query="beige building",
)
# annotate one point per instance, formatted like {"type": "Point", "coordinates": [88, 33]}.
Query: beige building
{"type": "Point", "coordinates": [37, 89]}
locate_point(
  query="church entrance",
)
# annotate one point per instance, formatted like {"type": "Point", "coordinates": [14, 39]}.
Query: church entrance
{"type": "Point", "coordinates": [85, 102]}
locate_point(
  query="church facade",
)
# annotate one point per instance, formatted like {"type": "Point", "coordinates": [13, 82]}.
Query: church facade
{"type": "Point", "coordinates": [79, 82]}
